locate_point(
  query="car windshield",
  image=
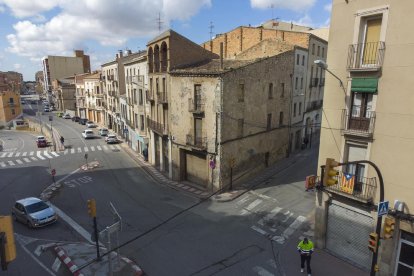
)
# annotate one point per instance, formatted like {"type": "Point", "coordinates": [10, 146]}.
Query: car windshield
{"type": "Point", "coordinates": [36, 207]}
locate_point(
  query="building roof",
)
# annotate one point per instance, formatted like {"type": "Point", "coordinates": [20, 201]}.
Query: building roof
{"type": "Point", "coordinates": [94, 75]}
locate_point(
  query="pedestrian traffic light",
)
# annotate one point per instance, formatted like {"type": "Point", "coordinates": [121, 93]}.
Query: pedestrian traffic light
{"type": "Point", "coordinates": [388, 229]}
{"type": "Point", "coordinates": [330, 174]}
{"type": "Point", "coordinates": [92, 208]}
{"type": "Point", "coordinates": [7, 241]}
{"type": "Point", "coordinates": [373, 242]}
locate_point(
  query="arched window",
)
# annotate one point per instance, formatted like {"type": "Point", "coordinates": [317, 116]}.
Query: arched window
{"type": "Point", "coordinates": [150, 60]}
{"type": "Point", "coordinates": [164, 57]}
{"type": "Point", "coordinates": [156, 58]}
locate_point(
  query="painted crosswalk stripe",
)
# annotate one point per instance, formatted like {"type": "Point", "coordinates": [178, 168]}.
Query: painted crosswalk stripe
{"type": "Point", "coordinates": [72, 151]}
{"type": "Point", "coordinates": [105, 147]}
{"type": "Point", "coordinates": [294, 226]}
{"type": "Point", "coordinates": [45, 153]}
{"type": "Point", "coordinates": [31, 153]}
{"type": "Point", "coordinates": [112, 147]}
{"type": "Point", "coordinates": [2, 164]}
{"type": "Point", "coordinates": [250, 207]}
{"type": "Point", "coordinates": [261, 271]}
{"type": "Point", "coordinates": [10, 154]}
{"type": "Point", "coordinates": [85, 149]}
{"type": "Point", "coordinates": [118, 147]}
{"type": "Point", "coordinates": [40, 156]}
{"type": "Point", "coordinates": [27, 160]}
{"type": "Point", "coordinates": [24, 154]}
{"type": "Point", "coordinates": [4, 154]}
{"type": "Point", "coordinates": [11, 163]}
{"type": "Point", "coordinates": [92, 148]}
{"type": "Point", "coordinates": [260, 230]}
{"type": "Point", "coordinates": [17, 154]}
{"type": "Point", "coordinates": [18, 161]}
{"type": "Point", "coordinates": [269, 216]}
{"type": "Point", "coordinates": [55, 153]}
{"type": "Point", "coordinates": [34, 158]}
{"type": "Point", "coordinates": [99, 147]}
{"type": "Point", "coordinates": [79, 150]}
{"type": "Point", "coordinates": [65, 152]}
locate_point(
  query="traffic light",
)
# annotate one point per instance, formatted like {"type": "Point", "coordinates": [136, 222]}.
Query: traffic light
{"type": "Point", "coordinates": [330, 174]}
{"type": "Point", "coordinates": [373, 242]}
{"type": "Point", "coordinates": [7, 233]}
{"type": "Point", "coordinates": [388, 229]}
{"type": "Point", "coordinates": [92, 208]}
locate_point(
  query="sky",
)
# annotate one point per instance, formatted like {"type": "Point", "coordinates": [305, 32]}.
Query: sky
{"type": "Point", "coordinates": [33, 29]}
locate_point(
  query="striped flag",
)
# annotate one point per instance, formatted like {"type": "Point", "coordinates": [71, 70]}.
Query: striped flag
{"type": "Point", "coordinates": [347, 183]}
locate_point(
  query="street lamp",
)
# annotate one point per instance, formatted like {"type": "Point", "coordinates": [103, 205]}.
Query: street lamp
{"type": "Point", "coordinates": [323, 65]}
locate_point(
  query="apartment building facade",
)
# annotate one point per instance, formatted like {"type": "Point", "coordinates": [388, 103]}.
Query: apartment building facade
{"type": "Point", "coordinates": [10, 107]}
{"type": "Point", "coordinates": [369, 118]}
{"type": "Point", "coordinates": [94, 98]}
{"type": "Point", "coordinates": [64, 94]}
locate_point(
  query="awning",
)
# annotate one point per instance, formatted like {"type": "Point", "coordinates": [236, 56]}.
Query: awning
{"type": "Point", "coordinates": [367, 85]}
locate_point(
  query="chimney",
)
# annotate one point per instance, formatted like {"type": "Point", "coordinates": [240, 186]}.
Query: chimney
{"type": "Point", "coordinates": [221, 55]}
{"type": "Point", "coordinates": [120, 53]}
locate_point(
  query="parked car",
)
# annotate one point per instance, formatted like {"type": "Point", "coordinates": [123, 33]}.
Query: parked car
{"type": "Point", "coordinates": [88, 133]}
{"type": "Point", "coordinates": [34, 212]}
{"type": "Point", "coordinates": [90, 124]}
{"type": "Point", "coordinates": [41, 142]}
{"type": "Point", "coordinates": [75, 119]}
{"type": "Point", "coordinates": [103, 131]}
{"type": "Point", "coordinates": [82, 121]}
{"type": "Point", "coordinates": [46, 109]}
{"type": "Point", "coordinates": [111, 139]}
{"type": "Point", "coordinates": [66, 116]}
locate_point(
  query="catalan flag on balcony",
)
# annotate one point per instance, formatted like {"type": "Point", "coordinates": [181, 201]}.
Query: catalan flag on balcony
{"type": "Point", "coordinates": [347, 183]}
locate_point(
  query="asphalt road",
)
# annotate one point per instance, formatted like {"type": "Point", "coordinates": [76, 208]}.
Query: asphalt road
{"type": "Point", "coordinates": [244, 237]}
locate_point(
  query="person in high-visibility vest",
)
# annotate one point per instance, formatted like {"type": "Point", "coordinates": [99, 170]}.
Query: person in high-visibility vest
{"type": "Point", "coordinates": [305, 249]}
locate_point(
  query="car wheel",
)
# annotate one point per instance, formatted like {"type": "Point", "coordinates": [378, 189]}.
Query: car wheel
{"type": "Point", "coordinates": [29, 224]}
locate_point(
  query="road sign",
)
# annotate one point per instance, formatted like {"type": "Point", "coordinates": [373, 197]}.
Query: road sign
{"type": "Point", "coordinates": [383, 208]}
{"type": "Point", "coordinates": [53, 172]}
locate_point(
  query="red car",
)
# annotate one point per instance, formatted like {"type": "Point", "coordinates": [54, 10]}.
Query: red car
{"type": "Point", "coordinates": [41, 142]}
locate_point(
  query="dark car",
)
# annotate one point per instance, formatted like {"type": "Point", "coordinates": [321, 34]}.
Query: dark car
{"type": "Point", "coordinates": [75, 119]}
{"type": "Point", "coordinates": [82, 121]}
{"type": "Point", "coordinates": [41, 142]}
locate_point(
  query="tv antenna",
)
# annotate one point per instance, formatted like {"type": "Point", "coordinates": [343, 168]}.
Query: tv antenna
{"type": "Point", "coordinates": [211, 26]}
{"type": "Point", "coordinates": [159, 22]}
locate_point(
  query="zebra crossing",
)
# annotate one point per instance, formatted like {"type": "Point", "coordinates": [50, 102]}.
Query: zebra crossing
{"type": "Point", "coordinates": [271, 221]}
{"type": "Point", "coordinates": [22, 158]}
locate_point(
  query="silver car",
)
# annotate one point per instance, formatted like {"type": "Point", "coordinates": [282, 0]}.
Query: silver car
{"type": "Point", "coordinates": [34, 212]}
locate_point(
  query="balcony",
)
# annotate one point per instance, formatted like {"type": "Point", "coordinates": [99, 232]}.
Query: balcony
{"type": "Point", "coordinates": [314, 105]}
{"type": "Point", "coordinates": [358, 122]}
{"type": "Point", "coordinates": [150, 96]}
{"type": "Point", "coordinates": [366, 56]}
{"type": "Point", "coordinates": [110, 77]}
{"type": "Point", "coordinates": [162, 98]}
{"type": "Point", "coordinates": [314, 82]}
{"type": "Point", "coordinates": [81, 105]}
{"type": "Point", "coordinates": [363, 189]}
{"type": "Point", "coordinates": [99, 95]}
{"type": "Point", "coordinates": [138, 80]}
{"type": "Point", "coordinates": [159, 128]}
{"type": "Point", "coordinates": [199, 143]}
{"type": "Point", "coordinates": [196, 106]}
{"type": "Point", "coordinates": [322, 82]}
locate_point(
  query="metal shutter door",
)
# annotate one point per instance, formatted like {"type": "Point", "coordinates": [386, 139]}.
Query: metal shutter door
{"type": "Point", "coordinates": [347, 234]}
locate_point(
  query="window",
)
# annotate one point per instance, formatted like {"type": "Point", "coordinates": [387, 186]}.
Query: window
{"type": "Point", "coordinates": [297, 59]}
{"type": "Point", "coordinates": [296, 83]}
{"type": "Point", "coordinates": [301, 83]}
{"type": "Point", "coordinates": [323, 51]}
{"type": "Point", "coordinates": [241, 93]}
{"type": "Point", "coordinates": [300, 108]}
{"type": "Point", "coordinates": [313, 48]}
{"type": "Point", "coordinates": [198, 128]}
{"type": "Point", "coordinates": [11, 100]}
{"type": "Point", "coordinates": [269, 121]}
{"type": "Point", "coordinates": [141, 97]}
{"type": "Point", "coordinates": [164, 87]}
{"type": "Point", "coordinates": [142, 122]}
{"type": "Point", "coordinates": [240, 124]}
{"type": "Point", "coordinates": [319, 50]}
{"type": "Point", "coordinates": [281, 119]}
{"type": "Point", "coordinates": [303, 60]}
{"type": "Point", "coordinates": [157, 86]}
{"type": "Point", "coordinates": [197, 94]}
{"type": "Point", "coordinates": [294, 110]}
{"type": "Point", "coordinates": [136, 120]}
{"type": "Point", "coordinates": [270, 92]}
{"type": "Point", "coordinates": [282, 89]}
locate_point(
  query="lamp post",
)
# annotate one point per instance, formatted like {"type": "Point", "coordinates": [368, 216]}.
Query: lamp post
{"type": "Point", "coordinates": [323, 65]}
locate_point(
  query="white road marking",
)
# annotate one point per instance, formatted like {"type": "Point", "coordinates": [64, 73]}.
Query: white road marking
{"type": "Point", "coordinates": [31, 153]}
{"type": "Point", "coordinates": [72, 151]}
{"type": "Point", "coordinates": [2, 164]}
{"type": "Point", "coordinates": [27, 160]}
{"type": "Point", "coordinates": [92, 148]}
{"type": "Point", "coordinates": [105, 147]}
{"type": "Point", "coordinates": [24, 154]}
{"type": "Point", "coordinates": [260, 230]}
{"type": "Point", "coordinates": [11, 163]}
{"type": "Point", "coordinates": [288, 214]}
{"type": "Point", "coordinates": [79, 150]}
{"type": "Point", "coordinates": [112, 147]}
{"type": "Point", "coordinates": [17, 154]}
{"type": "Point", "coordinates": [55, 154]}
{"type": "Point", "coordinates": [99, 147]}
{"type": "Point", "coordinates": [243, 200]}
{"type": "Point", "coordinates": [65, 152]}
{"type": "Point", "coordinates": [34, 158]}
{"type": "Point", "coordinates": [10, 154]}
{"type": "Point", "coordinates": [269, 216]}
{"type": "Point", "coordinates": [45, 153]}
{"type": "Point", "coordinates": [4, 154]}
{"type": "Point", "coordinates": [19, 161]}
{"type": "Point", "coordinates": [294, 226]}
{"type": "Point", "coordinates": [261, 271]}
{"type": "Point", "coordinates": [253, 204]}
{"type": "Point", "coordinates": [118, 147]}
{"type": "Point", "coordinates": [56, 264]}
{"type": "Point", "coordinates": [40, 156]}
{"type": "Point", "coordinates": [85, 149]}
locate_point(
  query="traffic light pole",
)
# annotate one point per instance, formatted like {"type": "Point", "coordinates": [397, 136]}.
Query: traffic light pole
{"type": "Point", "coordinates": [379, 220]}
{"type": "Point", "coordinates": [95, 228]}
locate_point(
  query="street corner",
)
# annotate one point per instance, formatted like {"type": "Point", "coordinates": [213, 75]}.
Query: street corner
{"type": "Point", "coordinates": [228, 196]}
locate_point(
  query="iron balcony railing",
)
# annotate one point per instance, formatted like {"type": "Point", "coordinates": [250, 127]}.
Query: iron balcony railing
{"type": "Point", "coordinates": [150, 96]}
{"type": "Point", "coordinates": [196, 141]}
{"type": "Point", "coordinates": [366, 56]}
{"type": "Point", "coordinates": [314, 82]}
{"type": "Point", "coordinates": [162, 98]}
{"type": "Point", "coordinates": [314, 105]}
{"type": "Point", "coordinates": [322, 82]}
{"type": "Point", "coordinates": [361, 188]}
{"type": "Point", "coordinates": [196, 106]}
{"type": "Point", "coordinates": [157, 127]}
{"type": "Point", "coordinates": [358, 121]}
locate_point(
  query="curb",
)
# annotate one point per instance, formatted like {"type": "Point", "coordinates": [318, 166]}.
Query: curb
{"type": "Point", "coordinates": [67, 261]}
{"type": "Point", "coordinates": [138, 271]}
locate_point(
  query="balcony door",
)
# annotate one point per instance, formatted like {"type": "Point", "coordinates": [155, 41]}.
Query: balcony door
{"type": "Point", "coordinates": [361, 111]}
{"type": "Point", "coordinates": [371, 41]}
{"type": "Point", "coordinates": [198, 128]}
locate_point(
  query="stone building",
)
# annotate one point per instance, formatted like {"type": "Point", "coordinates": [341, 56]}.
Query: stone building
{"type": "Point", "coordinates": [369, 117]}
{"type": "Point", "coordinates": [80, 95]}
{"type": "Point", "coordinates": [11, 81]}
{"type": "Point", "coordinates": [94, 98]}
{"type": "Point", "coordinates": [10, 107]}
{"type": "Point", "coordinates": [64, 94]}
{"type": "Point", "coordinates": [229, 118]}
